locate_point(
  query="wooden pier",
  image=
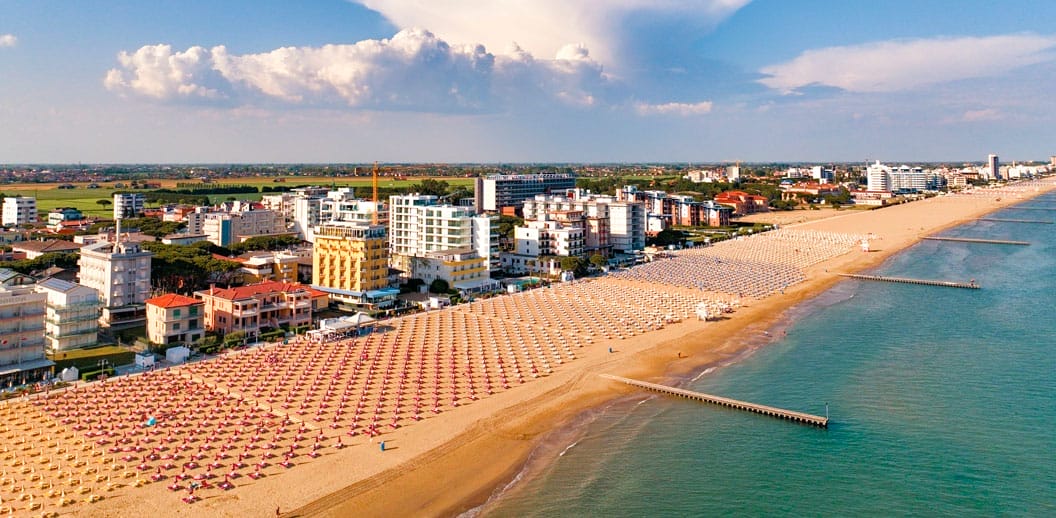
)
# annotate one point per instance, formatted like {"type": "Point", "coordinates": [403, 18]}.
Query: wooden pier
{"type": "Point", "coordinates": [798, 417]}
{"type": "Point", "coordinates": [977, 240]}
{"type": "Point", "coordinates": [927, 282]}
{"type": "Point", "coordinates": [1009, 220]}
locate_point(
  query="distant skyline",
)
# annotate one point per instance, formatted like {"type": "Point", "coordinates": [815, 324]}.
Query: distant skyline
{"type": "Point", "coordinates": [516, 81]}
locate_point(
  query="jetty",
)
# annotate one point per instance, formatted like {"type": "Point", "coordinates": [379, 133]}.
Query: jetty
{"type": "Point", "coordinates": [927, 282]}
{"type": "Point", "coordinates": [1009, 220]}
{"type": "Point", "coordinates": [977, 240]}
{"type": "Point", "coordinates": [781, 413]}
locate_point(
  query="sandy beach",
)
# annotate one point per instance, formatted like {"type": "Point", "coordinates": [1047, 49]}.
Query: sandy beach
{"type": "Point", "coordinates": [452, 459]}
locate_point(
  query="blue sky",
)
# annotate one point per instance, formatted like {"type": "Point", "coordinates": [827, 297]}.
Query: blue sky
{"type": "Point", "coordinates": [114, 81]}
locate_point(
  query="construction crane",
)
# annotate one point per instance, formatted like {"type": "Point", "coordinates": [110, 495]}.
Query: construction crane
{"type": "Point", "coordinates": [374, 183]}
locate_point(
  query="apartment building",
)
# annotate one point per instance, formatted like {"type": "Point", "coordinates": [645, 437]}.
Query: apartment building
{"type": "Point", "coordinates": [120, 272]}
{"type": "Point", "coordinates": [175, 319]}
{"type": "Point", "coordinates": [128, 205]}
{"type": "Point", "coordinates": [71, 318]}
{"type": "Point", "coordinates": [18, 210]}
{"type": "Point", "coordinates": [259, 307]}
{"type": "Point", "coordinates": [22, 359]}
{"type": "Point", "coordinates": [507, 192]}
{"type": "Point", "coordinates": [349, 262]}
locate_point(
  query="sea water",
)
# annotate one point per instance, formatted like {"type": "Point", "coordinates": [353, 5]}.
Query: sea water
{"type": "Point", "coordinates": [942, 403]}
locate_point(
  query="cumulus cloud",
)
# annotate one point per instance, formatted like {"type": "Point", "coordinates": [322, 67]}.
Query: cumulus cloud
{"type": "Point", "coordinates": [156, 71]}
{"type": "Point", "coordinates": [8, 40]}
{"type": "Point", "coordinates": [674, 108]}
{"type": "Point", "coordinates": [897, 65]}
{"type": "Point", "coordinates": [414, 70]}
{"type": "Point", "coordinates": [544, 27]}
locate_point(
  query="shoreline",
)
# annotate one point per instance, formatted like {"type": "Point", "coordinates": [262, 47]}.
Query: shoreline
{"type": "Point", "coordinates": [570, 424]}
{"type": "Point", "coordinates": [459, 460]}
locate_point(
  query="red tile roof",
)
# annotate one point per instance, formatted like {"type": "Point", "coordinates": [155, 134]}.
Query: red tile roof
{"type": "Point", "coordinates": [245, 292]}
{"type": "Point", "coordinates": [173, 300]}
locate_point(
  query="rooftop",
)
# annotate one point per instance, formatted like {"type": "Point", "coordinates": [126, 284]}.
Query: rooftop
{"type": "Point", "coordinates": [173, 300]}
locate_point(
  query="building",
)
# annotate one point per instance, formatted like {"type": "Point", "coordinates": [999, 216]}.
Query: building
{"type": "Point", "coordinates": [494, 193]}
{"type": "Point", "coordinates": [462, 269]}
{"type": "Point", "coordinates": [342, 205]}
{"type": "Point", "coordinates": [9, 277]}
{"type": "Point", "coordinates": [992, 163]}
{"type": "Point", "coordinates": [22, 359]}
{"type": "Point", "coordinates": [420, 225]}
{"type": "Point", "coordinates": [256, 308]}
{"type": "Point", "coordinates": [268, 266]}
{"type": "Point", "coordinates": [120, 272]}
{"type": "Point", "coordinates": [62, 214]}
{"type": "Point", "coordinates": [878, 177]}
{"type": "Point", "coordinates": [226, 228]}
{"type": "Point", "coordinates": [18, 210]}
{"type": "Point", "coordinates": [349, 263]}
{"type": "Point", "coordinates": [128, 205]}
{"type": "Point", "coordinates": [742, 202]}
{"type": "Point", "coordinates": [175, 319]}
{"type": "Point", "coordinates": [35, 249]}
{"type": "Point", "coordinates": [183, 239]}
{"type": "Point", "coordinates": [908, 179]}
{"type": "Point", "coordinates": [609, 223]}
{"type": "Point", "coordinates": [72, 315]}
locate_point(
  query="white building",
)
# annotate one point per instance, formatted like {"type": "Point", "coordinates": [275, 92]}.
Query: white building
{"type": "Point", "coordinates": [342, 205]}
{"type": "Point", "coordinates": [19, 210]}
{"type": "Point", "coordinates": [120, 272]}
{"type": "Point", "coordinates": [462, 269]}
{"type": "Point", "coordinates": [610, 223]}
{"type": "Point", "coordinates": [906, 178]}
{"type": "Point", "coordinates": [128, 205]}
{"type": "Point", "coordinates": [225, 228]}
{"type": "Point", "coordinates": [878, 177]}
{"type": "Point", "coordinates": [22, 357]}
{"type": "Point", "coordinates": [72, 319]}
{"type": "Point", "coordinates": [419, 225]}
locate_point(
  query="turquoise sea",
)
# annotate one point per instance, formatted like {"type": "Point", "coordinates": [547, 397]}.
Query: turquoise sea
{"type": "Point", "coordinates": [943, 403]}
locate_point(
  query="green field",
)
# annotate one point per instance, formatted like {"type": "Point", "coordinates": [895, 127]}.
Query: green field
{"type": "Point", "coordinates": [50, 197]}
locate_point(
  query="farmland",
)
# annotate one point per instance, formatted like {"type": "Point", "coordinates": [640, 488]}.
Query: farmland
{"type": "Point", "coordinates": [49, 196]}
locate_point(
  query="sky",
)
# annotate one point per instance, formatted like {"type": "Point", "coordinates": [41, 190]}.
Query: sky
{"type": "Point", "coordinates": [514, 81]}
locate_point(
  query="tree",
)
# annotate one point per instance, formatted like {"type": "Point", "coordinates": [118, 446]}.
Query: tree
{"type": "Point", "coordinates": [576, 265]}
{"type": "Point", "coordinates": [104, 203]}
{"type": "Point", "coordinates": [439, 286]}
{"type": "Point", "coordinates": [599, 260]}
{"type": "Point", "coordinates": [430, 186]}
{"type": "Point", "coordinates": [265, 243]}
{"type": "Point", "coordinates": [183, 268]}
{"type": "Point", "coordinates": [668, 236]}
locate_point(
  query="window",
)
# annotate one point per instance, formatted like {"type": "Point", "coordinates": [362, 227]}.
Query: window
{"type": "Point", "coordinates": [194, 311]}
{"type": "Point", "coordinates": [176, 314]}
{"type": "Point", "coordinates": [176, 326]}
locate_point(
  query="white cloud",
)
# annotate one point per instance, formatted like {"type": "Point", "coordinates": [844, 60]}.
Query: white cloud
{"type": "Point", "coordinates": [898, 65]}
{"type": "Point", "coordinates": [414, 70]}
{"type": "Point", "coordinates": [156, 71]}
{"type": "Point", "coordinates": [543, 27]}
{"type": "Point", "coordinates": [682, 109]}
{"type": "Point", "coordinates": [8, 40]}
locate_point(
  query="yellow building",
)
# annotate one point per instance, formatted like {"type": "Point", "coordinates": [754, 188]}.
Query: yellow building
{"type": "Point", "coordinates": [349, 261]}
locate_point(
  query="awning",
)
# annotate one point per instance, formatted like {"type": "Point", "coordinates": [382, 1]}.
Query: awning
{"type": "Point", "coordinates": [25, 366]}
